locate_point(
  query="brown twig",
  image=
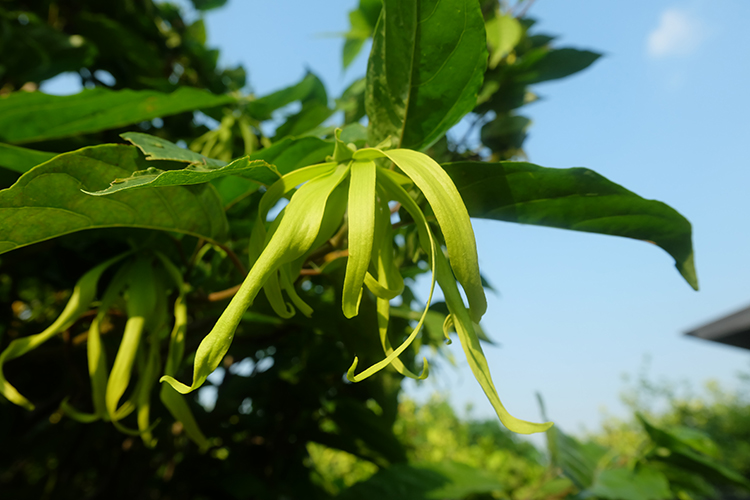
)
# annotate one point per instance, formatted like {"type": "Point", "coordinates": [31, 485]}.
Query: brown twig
{"type": "Point", "coordinates": [235, 259]}
{"type": "Point", "coordinates": [224, 294]}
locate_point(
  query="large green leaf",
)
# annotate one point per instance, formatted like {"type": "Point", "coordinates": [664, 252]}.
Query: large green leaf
{"type": "Point", "coordinates": [422, 481]}
{"type": "Point", "coordinates": [47, 201]}
{"type": "Point", "coordinates": [34, 116]}
{"type": "Point", "coordinates": [21, 159]}
{"type": "Point", "coordinates": [426, 66]}
{"type": "Point", "coordinates": [623, 484]}
{"type": "Point", "coordinates": [577, 461]}
{"type": "Point", "coordinates": [573, 198]}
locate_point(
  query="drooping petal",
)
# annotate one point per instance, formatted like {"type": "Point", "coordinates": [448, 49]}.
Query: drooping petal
{"type": "Point", "coordinates": [396, 192]}
{"type": "Point", "coordinates": [83, 294]}
{"type": "Point", "coordinates": [473, 350]}
{"type": "Point", "coordinates": [296, 233]}
{"type": "Point", "coordinates": [452, 216]}
{"type": "Point", "coordinates": [361, 222]}
{"type": "Point", "coordinates": [97, 358]}
{"type": "Point", "coordinates": [141, 297]}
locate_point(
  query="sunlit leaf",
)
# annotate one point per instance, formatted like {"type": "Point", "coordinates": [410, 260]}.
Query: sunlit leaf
{"type": "Point", "coordinates": [574, 198]}
{"type": "Point", "coordinates": [47, 201]}
{"type": "Point", "coordinates": [416, 94]}
{"type": "Point", "coordinates": [34, 116]}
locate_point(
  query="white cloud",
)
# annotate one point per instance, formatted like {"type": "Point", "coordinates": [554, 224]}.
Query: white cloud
{"type": "Point", "coordinates": [678, 34]}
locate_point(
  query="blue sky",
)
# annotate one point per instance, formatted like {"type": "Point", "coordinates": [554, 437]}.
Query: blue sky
{"type": "Point", "coordinates": [663, 114]}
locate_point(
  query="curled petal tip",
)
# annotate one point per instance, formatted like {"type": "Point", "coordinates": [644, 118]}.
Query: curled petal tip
{"type": "Point", "coordinates": [176, 384]}
{"type": "Point", "coordinates": [350, 373]}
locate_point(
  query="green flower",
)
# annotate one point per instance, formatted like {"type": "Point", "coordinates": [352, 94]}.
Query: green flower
{"type": "Point", "coordinates": [140, 287]}
{"type": "Point", "coordinates": [356, 184]}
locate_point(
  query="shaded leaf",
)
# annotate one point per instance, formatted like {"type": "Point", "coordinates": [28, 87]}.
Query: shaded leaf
{"type": "Point", "coordinates": [156, 148]}
{"type": "Point", "coordinates": [425, 69]}
{"type": "Point", "coordinates": [683, 453]}
{"type": "Point", "coordinates": [34, 116]}
{"type": "Point", "coordinates": [559, 63]}
{"type": "Point", "coordinates": [263, 107]}
{"type": "Point", "coordinates": [47, 201]}
{"type": "Point", "coordinates": [22, 159]}
{"type": "Point", "coordinates": [421, 481]}
{"type": "Point", "coordinates": [573, 198]}
{"type": "Point", "coordinates": [623, 484]}
{"type": "Point", "coordinates": [208, 4]}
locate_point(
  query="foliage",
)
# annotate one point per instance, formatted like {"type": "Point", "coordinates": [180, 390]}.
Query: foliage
{"type": "Point", "coordinates": [166, 249]}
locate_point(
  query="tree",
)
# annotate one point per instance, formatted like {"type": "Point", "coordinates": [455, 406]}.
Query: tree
{"type": "Point", "coordinates": [154, 240]}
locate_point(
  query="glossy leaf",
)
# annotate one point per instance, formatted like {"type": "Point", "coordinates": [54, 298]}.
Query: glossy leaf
{"type": "Point", "coordinates": [47, 201]}
{"type": "Point", "coordinates": [414, 93]}
{"type": "Point", "coordinates": [34, 116]}
{"type": "Point", "coordinates": [573, 198]}
{"type": "Point", "coordinates": [21, 159]}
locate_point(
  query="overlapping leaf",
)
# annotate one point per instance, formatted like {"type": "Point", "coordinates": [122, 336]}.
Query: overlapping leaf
{"type": "Point", "coordinates": [34, 116]}
{"type": "Point", "coordinates": [575, 198]}
{"type": "Point", "coordinates": [426, 66]}
{"type": "Point", "coordinates": [47, 201]}
{"type": "Point", "coordinates": [21, 159]}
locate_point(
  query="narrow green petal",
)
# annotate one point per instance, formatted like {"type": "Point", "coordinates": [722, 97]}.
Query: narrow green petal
{"type": "Point", "coordinates": [287, 283]}
{"type": "Point", "coordinates": [473, 350]}
{"type": "Point", "coordinates": [141, 297]}
{"type": "Point", "coordinates": [143, 394]}
{"type": "Point", "coordinates": [296, 232]}
{"type": "Point", "coordinates": [361, 222]}
{"type": "Point", "coordinates": [172, 400]}
{"type": "Point", "coordinates": [397, 193]}
{"type": "Point", "coordinates": [384, 308]}
{"type": "Point", "coordinates": [451, 215]}
{"type": "Point", "coordinates": [83, 294]}
{"type": "Point", "coordinates": [390, 283]}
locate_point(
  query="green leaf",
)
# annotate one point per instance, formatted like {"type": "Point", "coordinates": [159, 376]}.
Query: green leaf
{"type": "Point", "coordinates": [573, 198]}
{"type": "Point", "coordinates": [47, 201]}
{"type": "Point", "coordinates": [22, 159]}
{"type": "Point", "coordinates": [559, 63]}
{"type": "Point", "coordinates": [156, 148]}
{"type": "Point", "coordinates": [578, 461]}
{"type": "Point", "coordinates": [34, 116]}
{"type": "Point", "coordinates": [426, 66]}
{"type": "Point", "coordinates": [256, 170]}
{"type": "Point", "coordinates": [310, 116]}
{"type": "Point", "coordinates": [362, 21]}
{"type": "Point", "coordinates": [503, 33]}
{"type": "Point", "coordinates": [286, 155]}
{"type": "Point", "coordinates": [421, 481]}
{"type": "Point", "coordinates": [623, 484]}
{"type": "Point", "coordinates": [205, 5]}
{"type": "Point", "coordinates": [263, 107]}
{"type": "Point", "coordinates": [683, 450]}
